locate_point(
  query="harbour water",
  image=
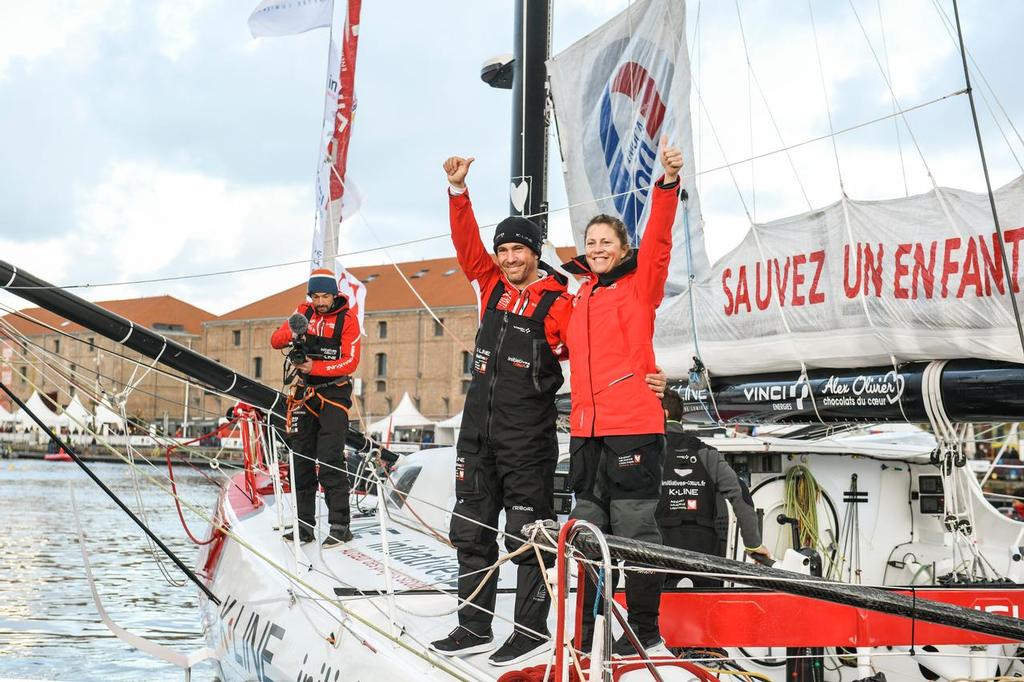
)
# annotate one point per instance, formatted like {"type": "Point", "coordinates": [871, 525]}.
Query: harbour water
{"type": "Point", "coordinates": [49, 627]}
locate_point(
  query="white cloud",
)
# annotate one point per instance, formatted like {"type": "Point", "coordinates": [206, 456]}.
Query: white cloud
{"type": "Point", "coordinates": [177, 21]}
{"type": "Point", "coordinates": [30, 30]}
{"type": "Point", "coordinates": [143, 220]}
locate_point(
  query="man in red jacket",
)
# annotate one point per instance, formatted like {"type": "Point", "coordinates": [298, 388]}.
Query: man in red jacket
{"type": "Point", "coordinates": [508, 444]}
{"type": "Point", "coordinates": [319, 404]}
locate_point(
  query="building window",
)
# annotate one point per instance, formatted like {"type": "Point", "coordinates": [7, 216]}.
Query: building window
{"type": "Point", "coordinates": [467, 363]}
{"type": "Point", "coordinates": [56, 345]}
{"type": "Point", "coordinates": [236, 337]}
{"type": "Point", "coordinates": [439, 327]}
{"type": "Point", "coordinates": [382, 387]}
{"type": "Point", "coordinates": [24, 374]}
{"type": "Point", "coordinates": [465, 386]}
{"type": "Point", "coordinates": [92, 343]}
{"type": "Point", "coordinates": [74, 369]}
{"type": "Point", "coordinates": [381, 364]}
{"type": "Point", "coordinates": [382, 330]}
{"type": "Point", "coordinates": [257, 368]}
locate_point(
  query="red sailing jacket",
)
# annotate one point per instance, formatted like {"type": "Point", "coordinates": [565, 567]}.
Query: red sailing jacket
{"type": "Point", "coordinates": [323, 326]}
{"type": "Point", "coordinates": [484, 274]}
{"type": "Point", "coordinates": [610, 333]}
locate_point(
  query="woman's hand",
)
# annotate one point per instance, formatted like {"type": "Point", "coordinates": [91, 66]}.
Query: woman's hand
{"type": "Point", "coordinates": [671, 160]}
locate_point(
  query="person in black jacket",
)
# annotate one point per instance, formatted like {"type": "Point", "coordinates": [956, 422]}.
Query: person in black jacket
{"type": "Point", "coordinates": [696, 484]}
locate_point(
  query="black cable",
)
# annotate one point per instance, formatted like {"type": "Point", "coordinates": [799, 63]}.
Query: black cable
{"type": "Point", "coordinates": [988, 183]}
{"type": "Point", "coordinates": [78, 460]}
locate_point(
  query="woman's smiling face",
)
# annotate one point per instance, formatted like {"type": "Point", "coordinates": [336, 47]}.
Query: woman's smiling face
{"type": "Point", "coordinates": [604, 249]}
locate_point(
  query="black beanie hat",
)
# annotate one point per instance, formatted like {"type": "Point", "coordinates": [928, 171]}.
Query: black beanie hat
{"type": "Point", "coordinates": [519, 230]}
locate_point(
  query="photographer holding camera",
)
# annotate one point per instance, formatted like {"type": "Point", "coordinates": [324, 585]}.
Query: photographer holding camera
{"type": "Point", "coordinates": [324, 352]}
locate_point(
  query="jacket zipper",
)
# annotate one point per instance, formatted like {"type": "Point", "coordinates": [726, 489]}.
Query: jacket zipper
{"type": "Point", "coordinates": [590, 369]}
{"type": "Point", "coordinates": [494, 374]}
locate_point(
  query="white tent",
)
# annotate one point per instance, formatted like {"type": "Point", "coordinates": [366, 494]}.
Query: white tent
{"type": "Point", "coordinates": [36, 405]}
{"type": "Point", "coordinates": [6, 417]}
{"type": "Point", "coordinates": [78, 417]}
{"type": "Point", "coordinates": [447, 431]}
{"type": "Point", "coordinates": [107, 417]}
{"type": "Point", "coordinates": [405, 417]}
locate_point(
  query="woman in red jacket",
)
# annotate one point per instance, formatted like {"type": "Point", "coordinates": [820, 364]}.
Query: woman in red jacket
{"type": "Point", "coordinates": [617, 423]}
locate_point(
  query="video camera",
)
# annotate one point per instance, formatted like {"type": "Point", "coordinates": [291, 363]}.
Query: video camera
{"type": "Point", "coordinates": [298, 324]}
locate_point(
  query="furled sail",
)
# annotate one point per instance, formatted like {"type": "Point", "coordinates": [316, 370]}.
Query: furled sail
{"type": "Point", "coordinates": [854, 284]}
{"type": "Point", "coordinates": [859, 283]}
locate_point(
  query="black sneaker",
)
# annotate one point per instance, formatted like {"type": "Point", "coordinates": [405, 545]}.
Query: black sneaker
{"type": "Point", "coordinates": [622, 647]}
{"type": "Point", "coordinates": [337, 536]}
{"type": "Point", "coordinates": [516, 649]}
{"type": "Point", "coordinates": [305, 535]}
{"type": "Point", "coordinates": [462, 642]}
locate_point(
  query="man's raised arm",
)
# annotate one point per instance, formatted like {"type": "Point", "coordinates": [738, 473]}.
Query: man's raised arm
{"type": "Point", "coordinates": [473, 257]}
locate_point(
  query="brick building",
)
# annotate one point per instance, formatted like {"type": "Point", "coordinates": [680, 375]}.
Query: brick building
{"type": "Point", "coordinates": [96, 362]}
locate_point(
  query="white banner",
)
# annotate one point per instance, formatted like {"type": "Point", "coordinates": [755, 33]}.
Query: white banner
{"type": "Point", "coordinates": [858, 284]}
{"type": "Point", "coordinates": [616, 91]}
{"type": "Point", "coordinates": [273, 18]}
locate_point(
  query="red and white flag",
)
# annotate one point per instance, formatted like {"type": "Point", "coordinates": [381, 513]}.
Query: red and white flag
{"type": "Point", "coordinates": [337, 197]}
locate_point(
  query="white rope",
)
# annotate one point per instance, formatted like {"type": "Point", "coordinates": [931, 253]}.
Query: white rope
{"type": "Point", "coordinates": [14, 275]}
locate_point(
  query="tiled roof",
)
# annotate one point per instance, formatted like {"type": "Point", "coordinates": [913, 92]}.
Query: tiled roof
{"type": "Point", "coordinates": [439, 281]}
{"type": "Point", "coordinates": [151, 311]}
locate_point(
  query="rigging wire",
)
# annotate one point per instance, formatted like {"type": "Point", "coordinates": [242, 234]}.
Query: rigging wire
{"type": "Point", "coordinates": [752, 77]}
{"type": "Point", "coordinates": [824, 92]}
{"type": "Point", "coordinates": [896, 123]}
{"type": "Point", "coordinates": [951, 31]}
{"type": "Point", "coordinates": [988, 181]}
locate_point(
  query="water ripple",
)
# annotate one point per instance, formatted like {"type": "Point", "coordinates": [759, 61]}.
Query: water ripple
{"type": "Point", "coordinates": [48, 623]}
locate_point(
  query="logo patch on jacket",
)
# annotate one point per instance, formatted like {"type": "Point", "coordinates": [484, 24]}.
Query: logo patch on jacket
{"type": "Point", "coordinates": [480, 359]}
{"type": "Point", "coordinates": [691, 505]}
{"type": "Point", "coordinates": [630, 460]}
{"type": "Point", "coordinates": [518, 362]}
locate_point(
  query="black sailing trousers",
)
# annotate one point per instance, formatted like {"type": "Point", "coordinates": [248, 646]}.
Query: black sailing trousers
{"type": "Point", "coordinates": [617, 482]}
{"type": "Point", "coordinates": [521, 483]}
{"type": "Point", "coordinates": [317, 425]}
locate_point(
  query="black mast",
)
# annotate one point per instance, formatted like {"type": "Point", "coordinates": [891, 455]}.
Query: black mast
{"type": "Point", "coordinates": [156, 346]}
{"type": "Point", "coordinates": [532, 46]}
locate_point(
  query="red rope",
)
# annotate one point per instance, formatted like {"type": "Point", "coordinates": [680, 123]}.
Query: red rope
{"type": "Point", "coordinates": [174, 486]}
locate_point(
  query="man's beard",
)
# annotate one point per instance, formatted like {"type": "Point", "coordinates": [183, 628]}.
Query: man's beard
{"type": "Point", "coordinates": [322, 309]}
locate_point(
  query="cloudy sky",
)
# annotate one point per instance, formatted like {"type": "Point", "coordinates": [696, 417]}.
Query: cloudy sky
{"type": "Point", "coordinates": [156, 139]}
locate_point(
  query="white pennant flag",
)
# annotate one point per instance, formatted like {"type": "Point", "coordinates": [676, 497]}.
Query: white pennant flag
{"type": "Point", "coordinates": [273, 18]}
